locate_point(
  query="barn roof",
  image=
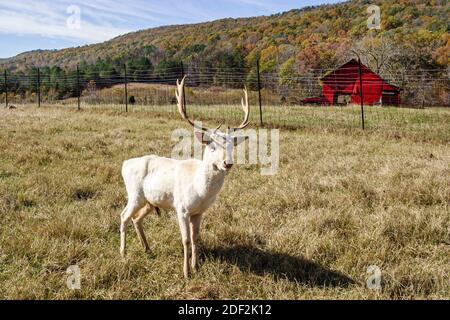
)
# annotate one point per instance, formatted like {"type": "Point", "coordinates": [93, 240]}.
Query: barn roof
{"type": "Point", "coordinates": [348, 74]}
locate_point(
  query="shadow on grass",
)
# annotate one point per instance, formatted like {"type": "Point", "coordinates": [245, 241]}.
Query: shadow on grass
{"type": "Point", "coordinates": [280, 265]}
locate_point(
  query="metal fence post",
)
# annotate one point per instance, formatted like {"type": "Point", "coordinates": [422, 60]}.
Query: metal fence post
{"type": "Point", "coordinates": [259, 94]}
{"type": "Point", "coordinates": [126, 87]}
{"type": "Point", "coordinates": [182, 69]}
{"type": "Point", "coordinates": [39, 87]}
{"type": "Point", "coordinates": [422, 86]}
{"type": "Point", "coordinates": [78, 88]}
{"type": "Point", "coordinates": [361, 92]}
{"type": "Point", "coordinates": [6, 90]}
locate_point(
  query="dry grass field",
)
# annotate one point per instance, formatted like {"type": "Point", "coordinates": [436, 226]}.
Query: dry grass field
{"type": "Point", "coordinates": [156, 94]}
{"type": "Point", "coordinates": [343, 200]}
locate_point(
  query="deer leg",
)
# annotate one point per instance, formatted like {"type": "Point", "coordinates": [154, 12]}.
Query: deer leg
{"type": "Point", "coordinates": [125, 218]}
{"type": "Point", "coordinates": [194, 222]}
{"type": "Point", "coordinates": [138, 222]}
{"type": "Point", "coordinates": [185, 237]}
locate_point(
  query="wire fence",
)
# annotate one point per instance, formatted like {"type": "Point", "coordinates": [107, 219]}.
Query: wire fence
{"type": "Point", "coordinates": [215, 93]}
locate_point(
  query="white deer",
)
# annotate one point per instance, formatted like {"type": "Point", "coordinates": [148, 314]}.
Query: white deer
{"type": "Point", "coordinates": [187, 186]}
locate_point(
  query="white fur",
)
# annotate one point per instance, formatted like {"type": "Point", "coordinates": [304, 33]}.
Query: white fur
{"type": "Point", "coordinates": [187, 186]}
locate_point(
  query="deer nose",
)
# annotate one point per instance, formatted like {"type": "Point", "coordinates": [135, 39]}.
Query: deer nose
{"type": "Point", "coordinates": [227, 165]}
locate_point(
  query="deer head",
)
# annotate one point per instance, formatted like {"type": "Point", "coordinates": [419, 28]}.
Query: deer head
{"type": "Point", "coordinates": [219, 145]}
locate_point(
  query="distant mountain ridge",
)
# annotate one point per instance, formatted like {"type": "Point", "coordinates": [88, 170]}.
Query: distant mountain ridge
{"type": "Point", "coordinates": [311, 37]}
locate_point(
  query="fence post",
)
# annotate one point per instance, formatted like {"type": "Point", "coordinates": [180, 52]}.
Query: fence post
{"type": "Point", "coordinates": [259, 94]}
{"type": "Point", "coordinates": [361, 92]}
{"type": "Point", "coordinates": [182, 69]}
{"type": "Point", "coordinates": [126, 87]}
{"type": "Point", "coordinates": [78, 88]}
{"type": "Point", "coordinates": [39, 86]}
{"type": "Point", "coordinates": [6, 91]}
{"type": "Point", "coordinates": [422, 85]}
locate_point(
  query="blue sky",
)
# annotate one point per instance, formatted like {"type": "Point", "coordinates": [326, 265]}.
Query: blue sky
{"type": "Point", "coordinates": [53, 24]}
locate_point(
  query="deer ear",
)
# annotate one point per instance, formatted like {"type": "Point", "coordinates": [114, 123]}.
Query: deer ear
{"type": "Point", "coordinates": [203, 137]}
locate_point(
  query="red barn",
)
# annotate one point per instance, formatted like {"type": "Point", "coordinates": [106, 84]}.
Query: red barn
{"type": "Point", "coordinates": [342, 86]}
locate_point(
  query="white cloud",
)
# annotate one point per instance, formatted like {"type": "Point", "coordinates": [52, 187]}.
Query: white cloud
{"type": "Point", "coordinates": [100, 20]}
{"type": "Point", "coordinates": [50, 20]}
{"type": "Point", "coordinates": [104, 19]}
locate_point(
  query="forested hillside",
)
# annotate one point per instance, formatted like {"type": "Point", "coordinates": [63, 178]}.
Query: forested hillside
{"type": "Point", "coordinates": [414, 38]}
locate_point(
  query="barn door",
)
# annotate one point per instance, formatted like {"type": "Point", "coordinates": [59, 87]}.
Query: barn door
{"type": "Point", "coordinates": [335, 99]}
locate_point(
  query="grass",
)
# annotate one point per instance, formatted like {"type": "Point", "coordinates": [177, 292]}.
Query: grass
{"type": "Point", "coordinates": [426, 125]}
{"type": "Point", "coordinates": [343, 200]}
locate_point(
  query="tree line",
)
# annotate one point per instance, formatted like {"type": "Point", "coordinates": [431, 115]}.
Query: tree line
{"type": "Point", "coordinates": [294, 49]}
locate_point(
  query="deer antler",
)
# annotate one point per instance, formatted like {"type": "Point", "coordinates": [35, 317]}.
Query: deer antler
{"type": "Point", "coordinates": [246, 108]}
{"type": "Point", "coordinates": [179, 93]}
